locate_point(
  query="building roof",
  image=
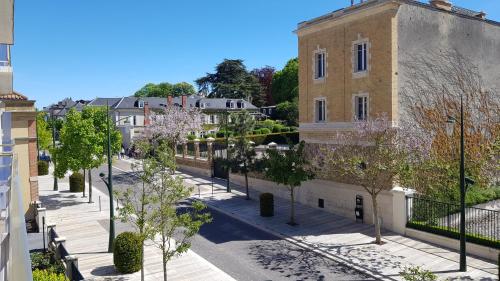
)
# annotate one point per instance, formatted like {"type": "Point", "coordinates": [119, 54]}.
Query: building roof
{"type": "Point", "coordinates": [160, 102]}
{"type": "Point", "coordinates": [13, 96]}
{"type": "Point", "coordinates": [459, 11]}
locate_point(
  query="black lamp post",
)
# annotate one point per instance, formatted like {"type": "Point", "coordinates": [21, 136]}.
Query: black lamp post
{"type": "Point", "coordinates": [56, 187]}
{"type": "Point", "coordinates": [228, 187]}
{"type": "Point", "coordinates": [464, 182]}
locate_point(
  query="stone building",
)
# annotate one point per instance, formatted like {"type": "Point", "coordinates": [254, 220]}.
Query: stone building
{"type": "Point", "coordinates": [351, 59]}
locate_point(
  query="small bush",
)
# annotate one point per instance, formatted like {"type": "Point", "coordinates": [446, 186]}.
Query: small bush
{"type": "Point", "coordinates": [76, 183]}
{"type": "Point", "coordinates": [266, 205]}
{"type": "Point", "coordinates": [46, 261]}
{"type": "Point", "coordinates": [417, 274]}
{"type": "Point", "coordinates": [191, 137]}
{"type": "Point", "coordinates": [127, 252]}
{"type": "Point", "coordinates": [44, 275]}
{"type": "Point", "coordinates": [277, 128]}
{"type": "Point", "coordinates": [265, 131]}
{"type": "Point", "coordinates": [285, 129]}
{"type": "Point", "coordinates": [43, 168]}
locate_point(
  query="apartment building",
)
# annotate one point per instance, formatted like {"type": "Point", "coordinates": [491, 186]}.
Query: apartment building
{"type": "Point", "coordinates": [351, 59]}
{"type": "Point", "coordinates": [18, 161]}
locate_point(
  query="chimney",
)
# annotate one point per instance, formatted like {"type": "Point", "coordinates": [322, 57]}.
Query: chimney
{"type": "Point", "coordinates": [184, 101]}
{"type": "Point", "coordinates": [481, 15]}
{"type": "Point", "coordinates": [146, 114]}
{"type": "Point", "coordinates": [170, 100]}
{"type": "Point", "coordinates": [441, 4]}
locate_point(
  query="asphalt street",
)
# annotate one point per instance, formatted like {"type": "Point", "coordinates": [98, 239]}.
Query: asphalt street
{"type": "Point", "coordinates": [243, 251]}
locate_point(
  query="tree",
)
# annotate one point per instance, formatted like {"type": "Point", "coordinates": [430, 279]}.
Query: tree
{"type": "Point", "coordinates": [431, 94]}
{"type": "Point", "coordinates": [169, 190]}
{"type": "Point", "coordinates": [230, 80]}
{"type": "Point", "coordinates": [374, 155]}
{"type": "Point", "coordinates": [243, 152]}
{"type": "Point", "coordinates": [173, 125]}
{"type": "Point", "coordinates": [165, 89]}
{"type": "Point", "coordinates": [137, 202]}
{"type": "Point", "coordinates": [265, 77]}
{"type": "Point", "coordinates": [44, 131]}
{"type": "Point", "coordinates": [83, 142]}
{"type": "Point", "coordinates": [288, 112]}
{"type": "Point", "coordinates": [289, 168]}
{"type": "Point", "coordinates": [285, 84]}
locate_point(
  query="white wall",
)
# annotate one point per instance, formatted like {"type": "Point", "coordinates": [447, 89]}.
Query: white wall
{"type": "Point", "coordinates": [7, 22]}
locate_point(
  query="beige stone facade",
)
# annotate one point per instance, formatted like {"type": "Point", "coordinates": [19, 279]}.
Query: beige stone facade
{"type": "Point", "coordinates": [376, 27]}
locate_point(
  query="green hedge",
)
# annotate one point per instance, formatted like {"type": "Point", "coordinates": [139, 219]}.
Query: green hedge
{"type": "Point", "coordinates": [76, 183]}
{"type": "Point", "coordinates": [44, 275]}
{"type": "Point", "coordinates": [43, 168]}
{"type": "Point", "coordinates": [454, 234]}
{"type": "Point", "coordinates": [266, 205]}
{"type": "Point", "coordinates": [127, 252]}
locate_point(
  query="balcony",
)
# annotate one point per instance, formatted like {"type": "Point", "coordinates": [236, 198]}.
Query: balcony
{"type": "Point", "coordinates": [4, 55]}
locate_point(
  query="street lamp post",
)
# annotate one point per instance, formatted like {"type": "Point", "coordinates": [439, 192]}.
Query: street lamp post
{"type": "Point", "coordinates": [228, 187]}
{"type": "Point", "coordinates": [56, 187]}
{"type": "Point", "coordinates": [464, 181]}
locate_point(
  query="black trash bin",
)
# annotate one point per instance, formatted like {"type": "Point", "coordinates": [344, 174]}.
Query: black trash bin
{"type": "Point", "coordinates": [266, 205]}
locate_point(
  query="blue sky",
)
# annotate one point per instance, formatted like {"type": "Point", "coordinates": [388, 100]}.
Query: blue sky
{"type": "Point", "coordinates": [88, 48]}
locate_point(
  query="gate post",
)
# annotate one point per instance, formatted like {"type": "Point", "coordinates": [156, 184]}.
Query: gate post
{"type": "Point", "coordinates": [399, 210]}
{"type": "Point", "coordinates": [210, 149]}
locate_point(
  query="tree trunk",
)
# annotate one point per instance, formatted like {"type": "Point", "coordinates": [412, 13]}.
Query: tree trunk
{"type": "Point", "coordinates": [378, 236]}
{"type": "Point", "coordinates": [164, 260]}
{"type": "Point", "coordinates": [246, 180]}
{"type": "Point", "coordinates": [83, 183]}
{"type": "Point", "coordinates": [142, 261]}
{"type": "Point", "coordinates": [292, 213]}
{"type": "Point", "coordinates": [90, 185]}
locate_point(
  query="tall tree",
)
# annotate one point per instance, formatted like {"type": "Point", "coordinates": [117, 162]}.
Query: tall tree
{"type": "Point", "coordinates": [230, 80]}
{"type": "Point", "coordinates": [243, 152]}
{"type": "Point", "coordinates": [288, 111]}
{"type": "Point", "coordinates": [285, 84]}
{"type": "Point", "coordinates": [43, 131]}
{"type": "Point", "coordinates": [165, 89]}
{"type": "Point", "coordinates": [438, 79]}
{"type": "Point", "coordinates": [289, 168]}
{"type": "Point", "coordinates": [169, 190]}
{"type": "Point", "coordinates": [265, 77]}
{"type": "Point", "coordinates": [374, 155]}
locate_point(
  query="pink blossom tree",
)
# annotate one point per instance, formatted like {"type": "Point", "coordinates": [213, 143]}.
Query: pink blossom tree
{"type": "Point", "coordinates": [375, 155]}
{"type": "Point", "coordinates": [174, 124]}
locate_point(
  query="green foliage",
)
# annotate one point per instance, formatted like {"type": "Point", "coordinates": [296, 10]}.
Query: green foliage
{"type": "Point", "coordinates": [453, 233]}
{"type": "Point", "coordinates": [46, 261]}
{"type": "Point", "coordinates": [165, 89]}
{"type": "Point", "coordinates": [285, 85]}
{"type": "Point", "coordinates": [277, 128]}
{"type": "Point", "coordinates": [231, 80]}
{"type": "Point", "coordinates": [191, 137]}
{"type": "Point", "coordinates": [43, 168]}
{"type": "Point", "coordinates": [288, 112]}
{"type": "Point", "coordinates": [44, 275]}
{"type": "Point", "coordinates": [266, 205]}
{"type": "Point", "coordinates": [44, 131]}
{"type": "Point", "coordinates": [417, 274]}
{"type": "Point", "coordinates": [265, 131]}
{"type": "Point", "coordinates": [83, 139]}
{"type": "Point", "coordinates": [76, 183]}
{"type": "Point", "coordinates": [127, 252]}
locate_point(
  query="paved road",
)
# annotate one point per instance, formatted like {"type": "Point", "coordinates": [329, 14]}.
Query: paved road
{"type": "Point", "coordinates": [247, 253]}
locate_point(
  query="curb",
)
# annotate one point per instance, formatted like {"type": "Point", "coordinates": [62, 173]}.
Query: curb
{"type": "Point", "coordinates": [298, 243]}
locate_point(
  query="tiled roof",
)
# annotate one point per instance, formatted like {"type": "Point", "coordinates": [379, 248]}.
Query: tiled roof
{"type": "Point", "coordinates": [13, 96]}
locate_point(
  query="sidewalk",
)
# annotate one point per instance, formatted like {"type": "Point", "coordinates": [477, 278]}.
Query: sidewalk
{"type": "Point", "coordinates": [85, 229]}
{"type": "Point", "coordinates": [342, 239]}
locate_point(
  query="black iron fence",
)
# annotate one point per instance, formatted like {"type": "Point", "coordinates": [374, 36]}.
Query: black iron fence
{"type": "Point", "coordinates": [482, 225]}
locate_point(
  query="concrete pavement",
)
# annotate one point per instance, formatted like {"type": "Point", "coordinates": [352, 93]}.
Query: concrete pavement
{"type": "Point", "coordinates": [85, 228]}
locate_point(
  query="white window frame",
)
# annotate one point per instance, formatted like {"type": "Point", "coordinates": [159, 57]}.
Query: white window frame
{"type": "Point", "coordinates": [365, 55]}
{"type": "Point", "coordinates": [231, 104]}
{"type": "Point", "coordinates": [316, 113]}
{"type": "Point", "coordinates": [212, 119]}
{"type": "Point", "coordinates": [366, 107]}
{"type": "Point", "coordinates": [140, 104]}
{"type": "Point", "coordinates": [324, 54]}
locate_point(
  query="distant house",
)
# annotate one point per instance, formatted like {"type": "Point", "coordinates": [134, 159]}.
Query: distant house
{"type": "Point", "coordinates": [60, 109]}
{"type": "Point", "coordinates": [130, 113]}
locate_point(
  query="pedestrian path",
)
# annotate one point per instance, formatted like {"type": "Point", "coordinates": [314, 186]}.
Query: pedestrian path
{"type": "Point", "coordinates": [341, 238]}
{"type": "Point", "coordinates": [85, 227]}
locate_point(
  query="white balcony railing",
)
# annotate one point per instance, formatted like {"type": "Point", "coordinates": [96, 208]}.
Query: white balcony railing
{"type": "Point", "coordinates": [4, 55]}
{"type": "Point", "coordinates": [15, 262]}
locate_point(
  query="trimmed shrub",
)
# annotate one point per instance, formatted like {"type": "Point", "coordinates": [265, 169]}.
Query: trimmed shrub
{"type": "Point", "coordinates": [277, 128]}
{"type": "Point", "coordinates": [265, 131]}
{"type": "Point", "coordinates": [43, 168]}
{"type": "Point", "coordinates": [127, 252]}
{"type": "Point", "coordinates": [285, 129]}
{"type": "Point", "coordinates": [76, 183]}
{"type": "Point", "coordinates": [191, 137]}
{"type": "Point", "coordinates": [266, 205]}
{"type": "Point", "coordinates": [44, 275]}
